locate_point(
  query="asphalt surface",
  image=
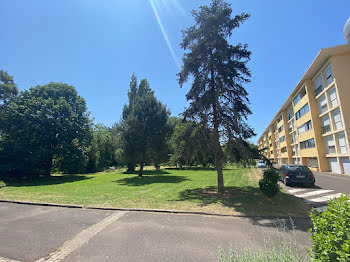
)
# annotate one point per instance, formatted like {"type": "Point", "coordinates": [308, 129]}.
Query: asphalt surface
{"type": "Point", "coordinates": [28, 233]}
{"type": "Point", "coordinates": [327, 186]}
{"type": "Point", "coordinates": [338, 183]}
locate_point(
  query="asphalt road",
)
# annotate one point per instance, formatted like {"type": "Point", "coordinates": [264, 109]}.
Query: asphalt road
{"type": "Point", "coordinates": [32, 233]}
{"type": "Point", "coordinates": [338, 183]}
{"type": "Point", "coordinates": [327, 186]}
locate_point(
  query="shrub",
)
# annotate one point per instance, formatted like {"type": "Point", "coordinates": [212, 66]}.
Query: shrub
{"type": "Point", "coordinates": [269, 183]}
{"type": "Point", "coordinates": [331, 232]}
{"type": "Point", "coordinates": [2, 184]}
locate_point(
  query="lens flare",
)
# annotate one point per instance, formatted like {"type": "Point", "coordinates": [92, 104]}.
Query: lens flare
{"type": "Point", "coordinates": [161, 26]}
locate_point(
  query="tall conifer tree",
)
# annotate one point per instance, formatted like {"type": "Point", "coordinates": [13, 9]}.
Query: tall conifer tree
{"type": "Point", "coordinates": [219, 71]}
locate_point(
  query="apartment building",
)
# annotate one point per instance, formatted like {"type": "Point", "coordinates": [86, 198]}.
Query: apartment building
{"type": "Point", "coordinates": [313, 125]}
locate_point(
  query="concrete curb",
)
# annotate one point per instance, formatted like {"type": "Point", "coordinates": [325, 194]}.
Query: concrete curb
{"type": "Point", "coordinates": [165, 211]}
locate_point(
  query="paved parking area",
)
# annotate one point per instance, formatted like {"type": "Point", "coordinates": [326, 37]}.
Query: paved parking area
{"type": "Point", "coordinates": [35, 233]}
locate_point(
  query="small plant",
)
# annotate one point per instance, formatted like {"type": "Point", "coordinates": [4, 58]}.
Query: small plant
{"type": "Point", "coordinates": [269, 183]}
{"type": "Point", "coordinates": [2, 184]}
{"type": "Point", "coordinates": [331, 232]}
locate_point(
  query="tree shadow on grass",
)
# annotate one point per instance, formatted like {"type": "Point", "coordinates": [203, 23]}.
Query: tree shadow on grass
{"type": "Point", "coordinates": [52, 180]}
{"type": "Point", "coordinates": [248, 201]}
{"type": "Point", "coordinates": [196, 168]}
{"type": "Point", "coordinates": [149, 172]}
{"type": "Point", "coordinates": [150, 179]}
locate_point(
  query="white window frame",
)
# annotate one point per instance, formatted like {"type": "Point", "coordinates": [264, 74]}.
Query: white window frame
{"type": "Point", "coordinates": [334, 102]}
{"type": "Point", "coordinates": [337, 124]}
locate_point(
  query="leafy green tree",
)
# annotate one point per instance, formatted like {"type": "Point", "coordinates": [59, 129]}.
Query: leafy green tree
{"type": "Point", "coordinates": [241, 152]}
{"type": "Point", "coordinates": [204, 153]}
{"type": "Point", "coordinates": [43, 126]}
{"type": "Point", "coordinates": [183, 144]}
{"type": "Point", "coordinates": [8, 91]}
{"type": "Point", "coordinates": [219, 71]}
{"type": "Point", "coordinates": [144, 126]}
{"type": "Point", "coordinates": [8, 88]}
{"type": "Point", "coordinates": [102, 148]}
{"type": "Point", "coordinates": [191, 144]}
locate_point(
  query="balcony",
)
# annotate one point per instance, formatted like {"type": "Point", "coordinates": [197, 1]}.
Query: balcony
{"type": "Point", "coordinates": [326, 129]}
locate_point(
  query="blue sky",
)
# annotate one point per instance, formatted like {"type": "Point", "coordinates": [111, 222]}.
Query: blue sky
{"type": "Point", "coordinates": [97, 45]}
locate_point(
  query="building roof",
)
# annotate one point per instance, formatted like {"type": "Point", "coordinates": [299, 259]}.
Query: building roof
{"type": "Point", "coordinates": [315, 66]}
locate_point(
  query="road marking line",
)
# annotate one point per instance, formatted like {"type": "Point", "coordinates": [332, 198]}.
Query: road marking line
{"type": "Point", "coordinates": [297, 190]}
{"type": "Point", "coordinates": [316, 192]}
{"type": "Point", "coordinates": [4, 259]}
{"type": "Point", "coordinates": [324, 198]}
{"type": "Point", "coordinates": [80, 239]}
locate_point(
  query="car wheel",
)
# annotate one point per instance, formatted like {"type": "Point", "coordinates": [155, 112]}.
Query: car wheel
{"type": "Point", "coordinates": [285, 181]}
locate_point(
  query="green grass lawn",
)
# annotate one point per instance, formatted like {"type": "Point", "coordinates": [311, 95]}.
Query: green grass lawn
{"type": "Point", "coordinates": [185, 189]}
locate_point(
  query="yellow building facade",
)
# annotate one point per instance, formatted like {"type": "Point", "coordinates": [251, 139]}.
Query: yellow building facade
{"type": "Point", "coordinates": [313, 125]}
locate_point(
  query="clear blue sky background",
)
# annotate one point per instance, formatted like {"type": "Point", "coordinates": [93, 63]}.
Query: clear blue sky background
{"type": "Point", "coordinates": [96, 45]}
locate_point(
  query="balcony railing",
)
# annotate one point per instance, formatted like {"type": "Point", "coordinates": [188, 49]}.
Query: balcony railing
{"type": "Point", "coordinates": [326, 129]}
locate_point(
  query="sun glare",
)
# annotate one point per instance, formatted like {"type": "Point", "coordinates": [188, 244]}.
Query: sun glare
{"type": "Point", "coordinates": [168, 4]}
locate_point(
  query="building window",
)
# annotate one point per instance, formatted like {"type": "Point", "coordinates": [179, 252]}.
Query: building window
{"type": "Point", "coordinates": [312, 162]}
{"type": "Point", "coordinates": [283, 138]}
{"type": "Point", "coordinates": [302, 111]}
{"type": "Point", "coordinates": [322, 104]}
{"type": "Point", "coordinates": [305, 127]}
{"type": "Point", "coordinates": [310, 143]}
{"type": "Point", "coordinates": [333, 97]}
{"type": "Point", "coordinates": [337, 119]}
{"type": "Point", "coordinates": [326, 126]}
{"type": "Point", "coordinates": [293, 138]}
{"type": "Point", "coordinates": [328, 75]}
{"type": "Point", "coordinates": [342, 143]}
{"type": "Point", "coordinates": [283, 149]}
{"type": "Point", "coordinates": [290, 113]}
{"type": "Point", "coordinates": [318, 84]}
{"type": "Point", "coordinates": [299, 96]}
{"type": "Point", "coordinates": [290, 127]}
{"type": "Point", "coordinates": [279, 119]}
{"type": "Point", "coordinates": [330, 145]}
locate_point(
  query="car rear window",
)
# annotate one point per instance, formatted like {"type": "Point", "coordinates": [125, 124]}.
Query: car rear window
{"type": "Point", "coordinates": [298, 168]}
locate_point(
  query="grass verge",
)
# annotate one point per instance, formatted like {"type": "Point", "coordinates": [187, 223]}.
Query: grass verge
{"type": "Point", "coordinates": [192, 189]}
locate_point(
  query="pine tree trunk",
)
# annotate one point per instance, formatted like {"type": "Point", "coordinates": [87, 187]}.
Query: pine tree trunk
{"type": "Point", "coordinates": [141, 170]}
{"type": "Point", "coordinates": [218, 152]}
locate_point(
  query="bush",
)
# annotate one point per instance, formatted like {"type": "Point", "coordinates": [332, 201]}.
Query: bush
{"type": "Point", "coordinates": [269, 183]}
{"type": "Point", "coordinates": [2, 184]}
{"type": "Point", "coordinates": [331, 232]}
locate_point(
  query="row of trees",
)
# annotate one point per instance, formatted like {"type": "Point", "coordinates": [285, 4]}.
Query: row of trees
{"type": "Point", "coordinates": [48, 127]}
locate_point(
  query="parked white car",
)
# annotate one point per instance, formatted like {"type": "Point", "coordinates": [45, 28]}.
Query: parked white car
{"type": "Point", "coordinates": [261, 164]}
